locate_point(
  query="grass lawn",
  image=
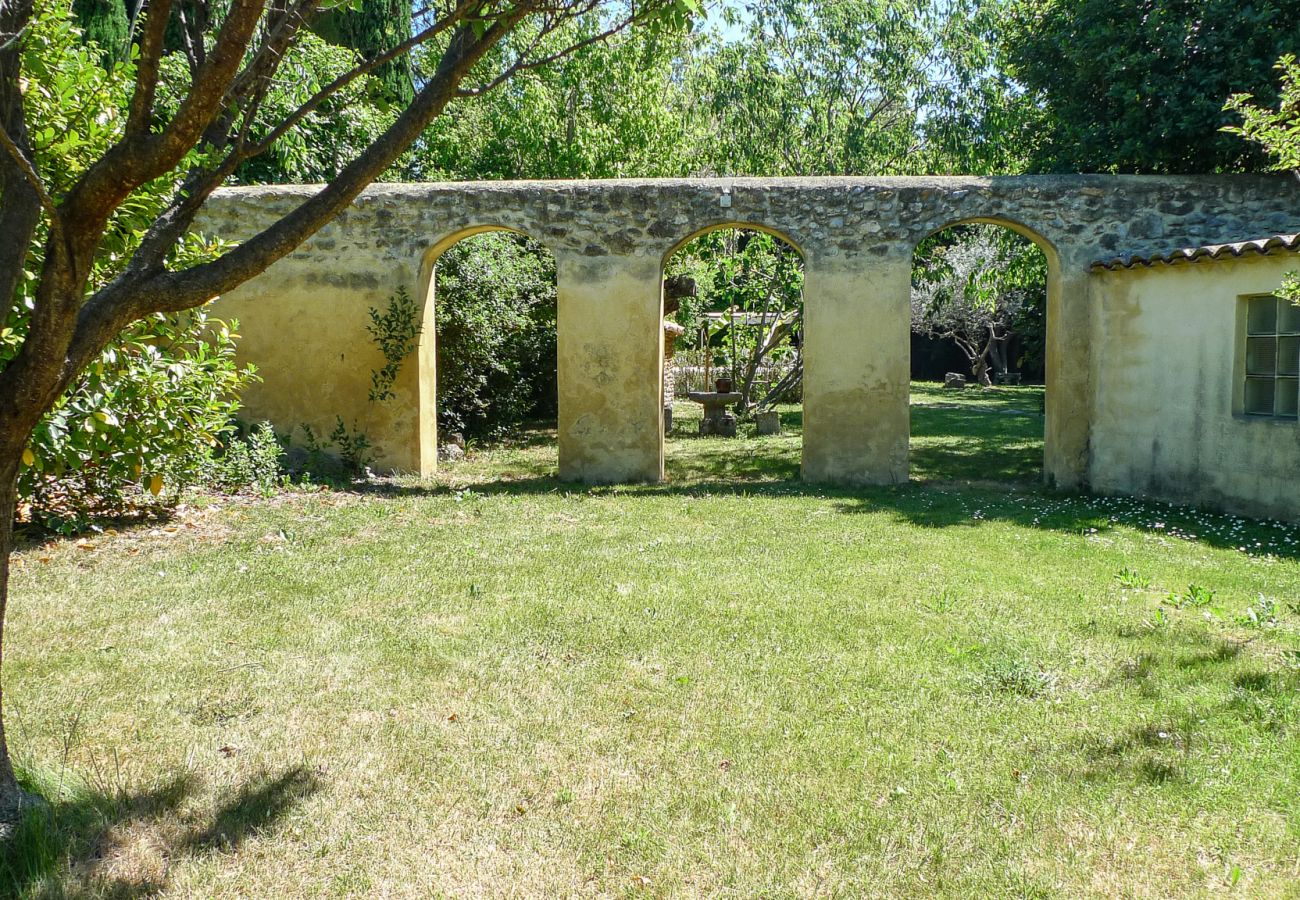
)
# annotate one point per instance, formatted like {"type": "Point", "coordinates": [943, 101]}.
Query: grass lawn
{"type": "Point", "coordinates": [732, 684]}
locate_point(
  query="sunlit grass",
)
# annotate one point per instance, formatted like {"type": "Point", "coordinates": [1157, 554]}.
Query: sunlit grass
{"type": "Point", "coordinates": [731, 684]}
{"type": "Point", "coordinates": [991, 434]}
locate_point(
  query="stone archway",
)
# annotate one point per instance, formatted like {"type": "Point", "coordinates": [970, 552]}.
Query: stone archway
{"type": "Point", "coordinates": [425, 372]}
{"type": "Point", "coordinates": [781, 253]}
{"type": "Point", "coordinates": [609, 239]}
{"type": "Point", "coordinates": [1065, 371]}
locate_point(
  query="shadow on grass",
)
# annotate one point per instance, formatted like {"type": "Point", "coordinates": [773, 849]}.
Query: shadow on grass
{"type": "Point", "coordinates": [976, 443]}
{"type": "Point", "coordinates": [121, 845]}
{"type": "Point", "coordinates": [1158, 750]}
{"type": "Point", "coordinates": [687, 427]}
{"type": "Point", "coordinates": [32, 534]}
{"type": "Point", "coordinates": [927, 505]}
{"type": "Point", "coordinates": [744, 465]}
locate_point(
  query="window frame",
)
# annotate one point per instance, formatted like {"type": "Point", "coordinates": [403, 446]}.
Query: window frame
{"type": "Point", "coordinates": [1258, 364]}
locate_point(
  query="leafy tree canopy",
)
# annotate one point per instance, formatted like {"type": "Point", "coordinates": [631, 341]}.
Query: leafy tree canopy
{"type": "Point", "coordinates": [1139, 85]}
{"type": "Point", "coordinates": [1277, 131]}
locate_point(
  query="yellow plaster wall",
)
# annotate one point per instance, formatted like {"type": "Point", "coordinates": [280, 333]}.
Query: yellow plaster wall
{"type": "Point", "coordinates": [305, 330]}
{"type": "Point", "coordinates": [1166, 409]}
{"type": "Point", "coordinates": [856, 368]}
{"type": "Point", "coordinates": [610, 348]}
{"type": "Point", "coordinates": [1069, 369]}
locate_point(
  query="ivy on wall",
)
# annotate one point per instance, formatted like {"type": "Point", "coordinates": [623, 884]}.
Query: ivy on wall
{"type": "Point", "coordinates": [395, 331]}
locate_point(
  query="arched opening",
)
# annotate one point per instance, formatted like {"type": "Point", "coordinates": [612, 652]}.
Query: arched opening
{"type": "Point", "coordinates": [487, 351]}
{"type": "Point", "coordinates": [733, 355]}
{"type": "Point", "coordinates": [979, 352]}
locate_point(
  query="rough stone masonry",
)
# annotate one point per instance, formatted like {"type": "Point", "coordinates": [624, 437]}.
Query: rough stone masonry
{"type": "Point", "coordinates": [304, 319]}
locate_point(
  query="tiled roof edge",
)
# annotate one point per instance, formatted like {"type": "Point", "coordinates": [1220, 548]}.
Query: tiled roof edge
{"type": "Point", "coordinates": [1260, 246]}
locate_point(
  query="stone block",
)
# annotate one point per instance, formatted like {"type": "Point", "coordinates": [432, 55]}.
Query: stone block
{"type": "Point", "coordinates": [768, 422]}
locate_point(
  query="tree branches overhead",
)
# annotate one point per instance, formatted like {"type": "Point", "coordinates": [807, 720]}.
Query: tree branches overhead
{"type": "Point", "coordinates": [201, 74]}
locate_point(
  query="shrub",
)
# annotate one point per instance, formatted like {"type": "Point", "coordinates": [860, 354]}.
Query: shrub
{"type": "Point", "coordinates": [339, 458]}
{"type": "Point", "coordinates": [245, 462]}
{"type": "Point", "coordinates": [146, 415]}
{"type": "Point", "coordinates": [495, 324]}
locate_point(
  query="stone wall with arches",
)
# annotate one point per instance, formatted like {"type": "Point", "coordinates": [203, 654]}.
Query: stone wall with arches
{"type": "Point", "coordinates": [304, 320]}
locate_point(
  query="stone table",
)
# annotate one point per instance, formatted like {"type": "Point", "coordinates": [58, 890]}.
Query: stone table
{"type": "Point", "coordinates": [716, 418]}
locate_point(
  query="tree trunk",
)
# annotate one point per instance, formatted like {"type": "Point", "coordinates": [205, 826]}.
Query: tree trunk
{"type": "Point", "coordinates": [998, 353]}
{"type": "Point", "coordinates": [788, 383]}
{"type": "Point", "coordinates": [13, 800]}
{"type": "Point", "coordinates": [762, 348]}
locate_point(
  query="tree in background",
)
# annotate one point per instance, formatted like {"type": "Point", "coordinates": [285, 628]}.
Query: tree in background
{"type": "Point", "coordinates": [971, 285]}
{"type": "Point", "coordinates": [106, 24]}
{"type": "Point", "coordinates": [373, 28]}
{"type": "Point", "coordinates": [1278, 132]}
{"type": "Point", "coordinates": [838, 87]}
{"type": "Point", "coordinates": [331, 134]}
{"type": "Point", "coordinates": [613, 109]}
{"type": "Point", "coordinates": [1139, 85]}
{"type": "Point", "coordinates": [799, 87]}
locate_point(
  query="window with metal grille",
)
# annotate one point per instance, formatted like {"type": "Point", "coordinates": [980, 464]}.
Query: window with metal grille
{"type": "Point", "coordinates": [1272, 358]}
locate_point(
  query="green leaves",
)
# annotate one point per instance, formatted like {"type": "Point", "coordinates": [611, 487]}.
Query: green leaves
{"type": "Point", "coordinates": [831, 87]}
{"type": "Point", "coordinates": [395, 332]}
{"type": "Point", "coordinates": [1140, 85]}
{"type": "Point", "coordinates": [1277, 131]}
{"type": "Point", "coordinates": [495, 313]}
{"type": "Point", "coordinates": [155, 402]}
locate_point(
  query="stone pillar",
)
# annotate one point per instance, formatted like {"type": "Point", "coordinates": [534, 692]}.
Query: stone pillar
{"type": "Point", "coordinates": [857, 366]}
{"type": "Point", "coordinates": [1068, 404]}
{"type": "Point", "coordinates": [610, 368]}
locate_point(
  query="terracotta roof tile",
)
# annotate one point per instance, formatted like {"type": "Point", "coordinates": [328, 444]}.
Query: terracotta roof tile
{"type": "Point", "coordinates": [1261, 246]}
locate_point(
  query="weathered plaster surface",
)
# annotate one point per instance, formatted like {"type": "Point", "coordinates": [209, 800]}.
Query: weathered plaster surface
{"type": "Point", "coordinates": [856, 368]}
{"type": "Point", "coordinates": [304, 319]}
{"type": "Point", "coordinates": [1168, 417]}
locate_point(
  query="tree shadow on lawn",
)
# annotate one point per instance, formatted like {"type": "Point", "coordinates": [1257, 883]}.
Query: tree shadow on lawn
{"type": "Point", "coordinates": [928, 505]}
{"type": "Point", "coordinates": [1160, 749]}
{"type": "Point", "coordinates": [122, 844]}
{"type": "Point", "coordinates": [980, 442]}
{"type": "Point", "coordinates": [29, 535]}
{"type": "Point", "coordinates": [976, 443]}
{"type": "Point", "coordinates": [687, 427]}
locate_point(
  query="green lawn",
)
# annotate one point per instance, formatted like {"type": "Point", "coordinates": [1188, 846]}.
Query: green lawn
{"type": "Point", "coordinates": [732, 684]}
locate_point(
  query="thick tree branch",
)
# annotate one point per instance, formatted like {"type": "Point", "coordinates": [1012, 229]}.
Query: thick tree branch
{"type": "Point", "coordinates": [313, 103]}
{"type": "Point", "coordinates": [284, 21]}
{"type": "Point", "coordinates": [126, 299]}
{"type": "Point", "coordinates": [143, 156]}
{"type": "Point", "coordinates": [146, 72]}
{"type": "Point", "coordinates": [43, 367]}
{"type": "Point", "coordinates": [172, 224]}
{"type": "Point", "coordinates": [20, 200]}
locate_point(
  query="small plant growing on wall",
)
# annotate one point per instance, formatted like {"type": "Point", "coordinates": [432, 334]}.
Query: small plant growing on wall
{"type": "Point", "coordinates": [352, 446]}
{"type": "Point", "coordinates": [1290, 289]}
{"type": "Point", "coordinates": [395, 331]}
